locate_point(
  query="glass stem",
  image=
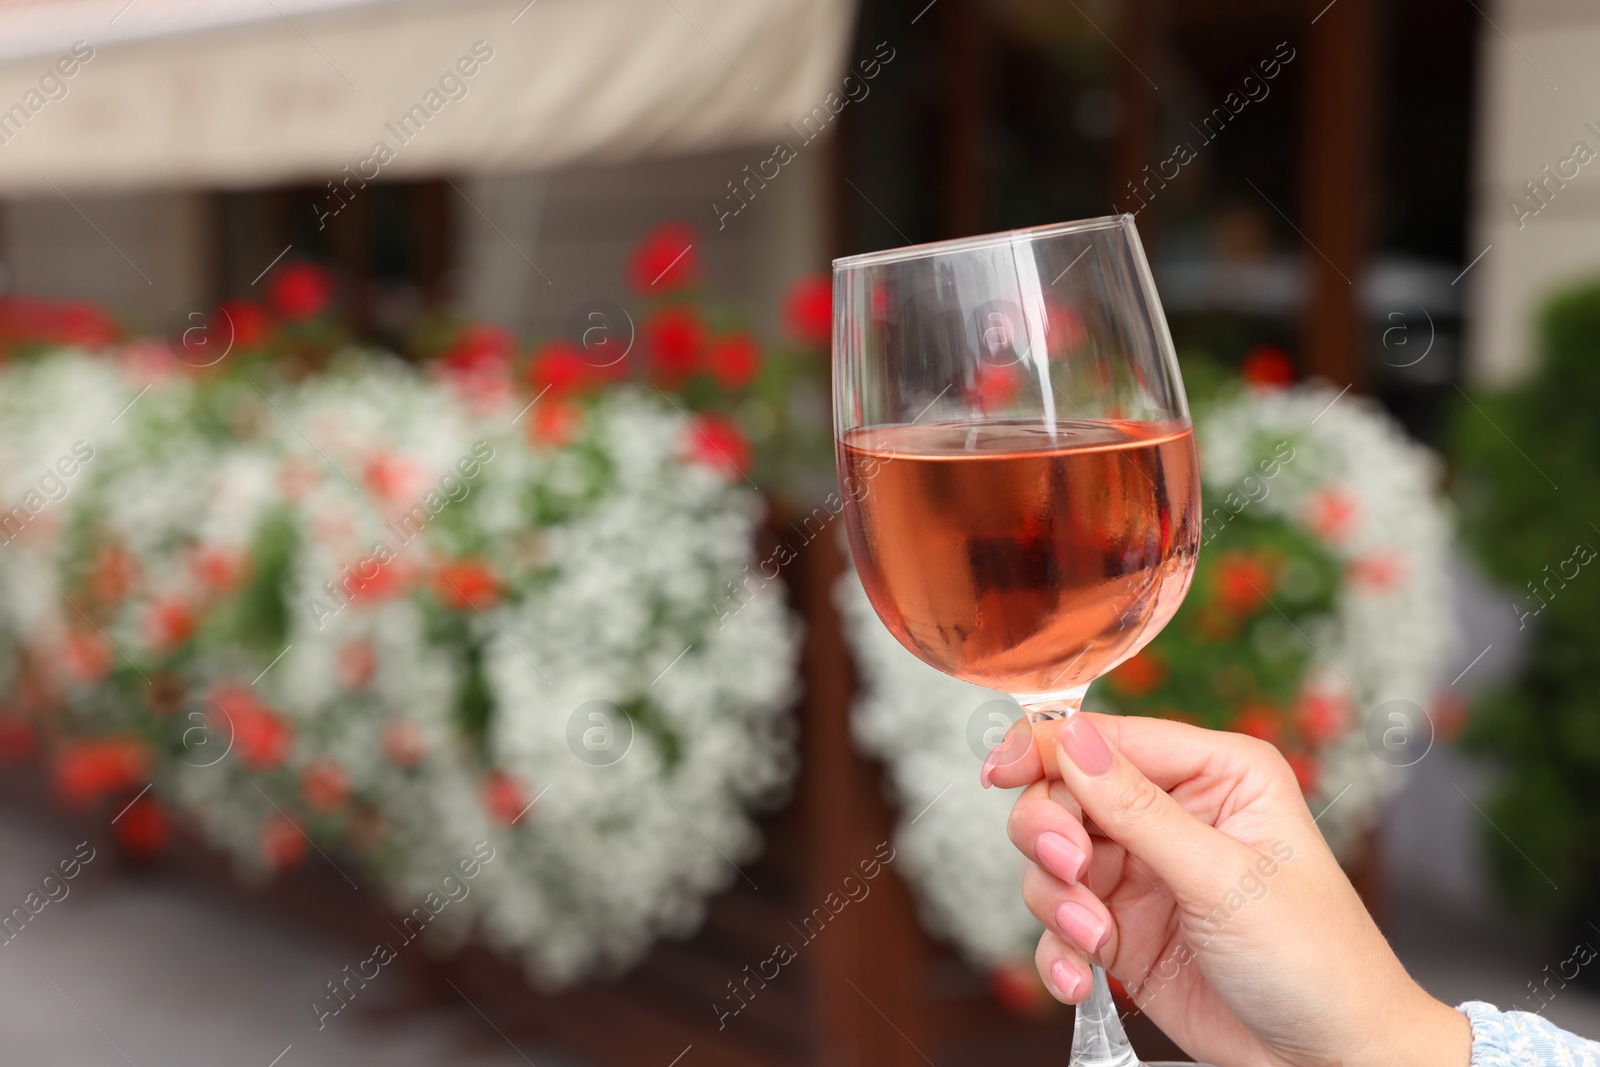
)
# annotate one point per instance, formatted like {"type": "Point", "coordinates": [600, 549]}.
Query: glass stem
{"type": "Point", "coordinates": [1042, 707]}
{"type": "Point", "coordinates": [1098, 1039]}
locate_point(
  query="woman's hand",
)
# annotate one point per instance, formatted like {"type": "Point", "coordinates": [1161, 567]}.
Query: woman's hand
{"type": "Point", "coordinates": [1186, 863]}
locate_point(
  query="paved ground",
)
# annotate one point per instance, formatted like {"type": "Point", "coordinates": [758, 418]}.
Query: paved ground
{"type": "Point", "coordinates": [146, 970]}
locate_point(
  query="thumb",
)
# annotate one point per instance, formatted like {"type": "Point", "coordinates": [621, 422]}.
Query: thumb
{"type": "Point", "coordinates": [1139, 815]}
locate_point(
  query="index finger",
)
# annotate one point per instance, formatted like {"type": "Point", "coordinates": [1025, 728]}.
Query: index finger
{"type": "Point", "coordinates": [1017, 759]}
{"type": "Point", "coordinates": [1168, 753]}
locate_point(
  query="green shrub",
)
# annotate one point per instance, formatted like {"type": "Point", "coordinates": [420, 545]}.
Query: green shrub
{"type": "Point", "coordinates": [1529, 487]}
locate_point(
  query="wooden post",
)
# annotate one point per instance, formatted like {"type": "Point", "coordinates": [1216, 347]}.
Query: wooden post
{"type": "Point", "coordinates": [1134, 147]}
{"type": "Point", "coordinates": [350, 242]}
{"type": "Point", "coordinates": [1337, 186]}
{"type": "Point", "coordinates": [432, 218]}
{"type": "Point", "coordinates": [213, 251]}
{"type": "Point", "coordinates": [868, 991]}
{"type": "Point", "coordinates": [964, 57]}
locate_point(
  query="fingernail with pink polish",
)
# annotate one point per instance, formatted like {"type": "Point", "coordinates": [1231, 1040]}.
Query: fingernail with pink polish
{"type": "Point", "coordinates": [1081, 926]}
{"type": "Point", "coordinates": [1059, 856]}
{"type": "Point", "coordinates": [1084, 746]}
{"type": "Point", "coordinates": [990, 762]}
{"type": "Point", "coordinates": [1067, 981]}
{"type": "Point", "coordinates": [1012, 747]}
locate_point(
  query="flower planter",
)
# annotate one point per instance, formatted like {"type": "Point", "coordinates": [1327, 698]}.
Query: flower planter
{"type": "Point", "coordinates": [866, 985]}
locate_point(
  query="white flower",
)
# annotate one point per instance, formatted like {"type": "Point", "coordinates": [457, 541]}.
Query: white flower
{"type": "Point", "coordinates": [618, 550]}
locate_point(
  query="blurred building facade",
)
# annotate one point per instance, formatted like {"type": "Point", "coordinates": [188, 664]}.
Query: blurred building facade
{"type": "Point", "coordinates": [160, 157]}
{"type": "Point", "coordinates": [1536, 197]}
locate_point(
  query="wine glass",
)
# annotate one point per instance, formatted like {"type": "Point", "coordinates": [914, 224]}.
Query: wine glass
{"type": "Point", "coordinates": [1018, 468]}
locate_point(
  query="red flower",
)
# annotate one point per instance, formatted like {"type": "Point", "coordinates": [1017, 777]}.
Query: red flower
{"type": "Point", "coordinates": [17, 739]}
{"type": "Point", "coordinates": [85, 325]}
{"type": "Point", "coordinates": [1306, 771]}
{"type": "Point", "coordinates": [466, 583]}
{"type": "Point", "coordinates": [665, 260]}
{"type": "Point", "coordinates": [1322, 716]}
{"type": "Point", "coordinates": [262, 739]}
{"type": "Point", "coordinates": [404, 744]}
{"type": "Point", "coordinates": [391, 479]}
{"type": "Point", "coordinates": [808, 310]}
{"type": "Point", "coordinates": [1018, 989]}
{"type": "Point", "coordinates": [11, 318]}
{"type": "Point", "coordinates": [1333, 514]}
{"type": "Point", "coordinates": [1378, 572]}
{"type": "Point", "coordinates": [734, 360]}
{"type": "Point", "coordinates": [369, 581]}
{"type": "Point", "coordinates": [1259, 721]}
{"type": "Point", "coordinates": [260, 736]}
{"type": "Point", "coordinates": [86, 657]}
{"type": "Point", "coordinates": [674, 339]}
{"type": "Point", "coordinates": [880, 301]}
{"type": "Point", "coordinates": [478, 364]}
{"type": "Point", "coordinates": [995, 387]}
{"type": "Point", "coordinates": [357, 664]}
{"type": "Point", "coordinates": [144, 360]}
{"type": "Point", "coordinates": [283, 847]}
{"type": "Point", "coordinates": [480, 349]}
{"type": "Point", "coordinates": [300, 291]}
{"type": "Point", "coordinates": [504, 797]}
{"type": "Point", "coordinates": [168, 623]}
{"type": "Point", "coordinates": [554, 422]}
{"type": "Point", "coordinates": [558, 367]}
{"type": "Point", "coordinates": [324, 785]}
{"type": "Point", "coordinates": [85, 771]}
{"type": "Point", "coordinates": [250, 322]}
{"type": "Point", "coordinates": [717, 442]}
{"type": "Point", "coordinates": [389, 581]}
{"type": "Point", "coordinates": [1268, 366]}
{"type": "Point", "coordinates": [1141, 674]}
{"type": "Point", "coordinates": [218, 569]}
{"type": "Point", "coordinates": [144, 828]}
{"type": "Point", "coordinates": [1243, 583]}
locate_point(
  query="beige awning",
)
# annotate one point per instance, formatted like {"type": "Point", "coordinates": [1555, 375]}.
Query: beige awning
{"type": "Point", "coordinates": [252, 92]}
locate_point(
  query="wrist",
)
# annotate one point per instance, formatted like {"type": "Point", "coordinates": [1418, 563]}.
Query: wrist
{"type": "Point", "coordinates": [1424, 1033]}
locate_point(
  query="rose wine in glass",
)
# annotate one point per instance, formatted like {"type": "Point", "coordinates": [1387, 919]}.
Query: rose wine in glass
{"type": "Point", "coordinates": [1018, 467]}
{"type": "Point", "coordinates": [993, 548]}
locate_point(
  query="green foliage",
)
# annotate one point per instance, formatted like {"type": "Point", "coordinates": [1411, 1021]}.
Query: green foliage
{"type": "Point", "coordinates": [261, 619]}
{"type": "Point", "coordinates": [1513, 450]}
{"type": "Point", "coordinates": [475, 701]}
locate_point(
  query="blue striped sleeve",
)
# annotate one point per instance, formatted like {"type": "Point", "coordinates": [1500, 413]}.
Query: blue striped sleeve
{"type": "Point", "coordinates": [1522, 1039]}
